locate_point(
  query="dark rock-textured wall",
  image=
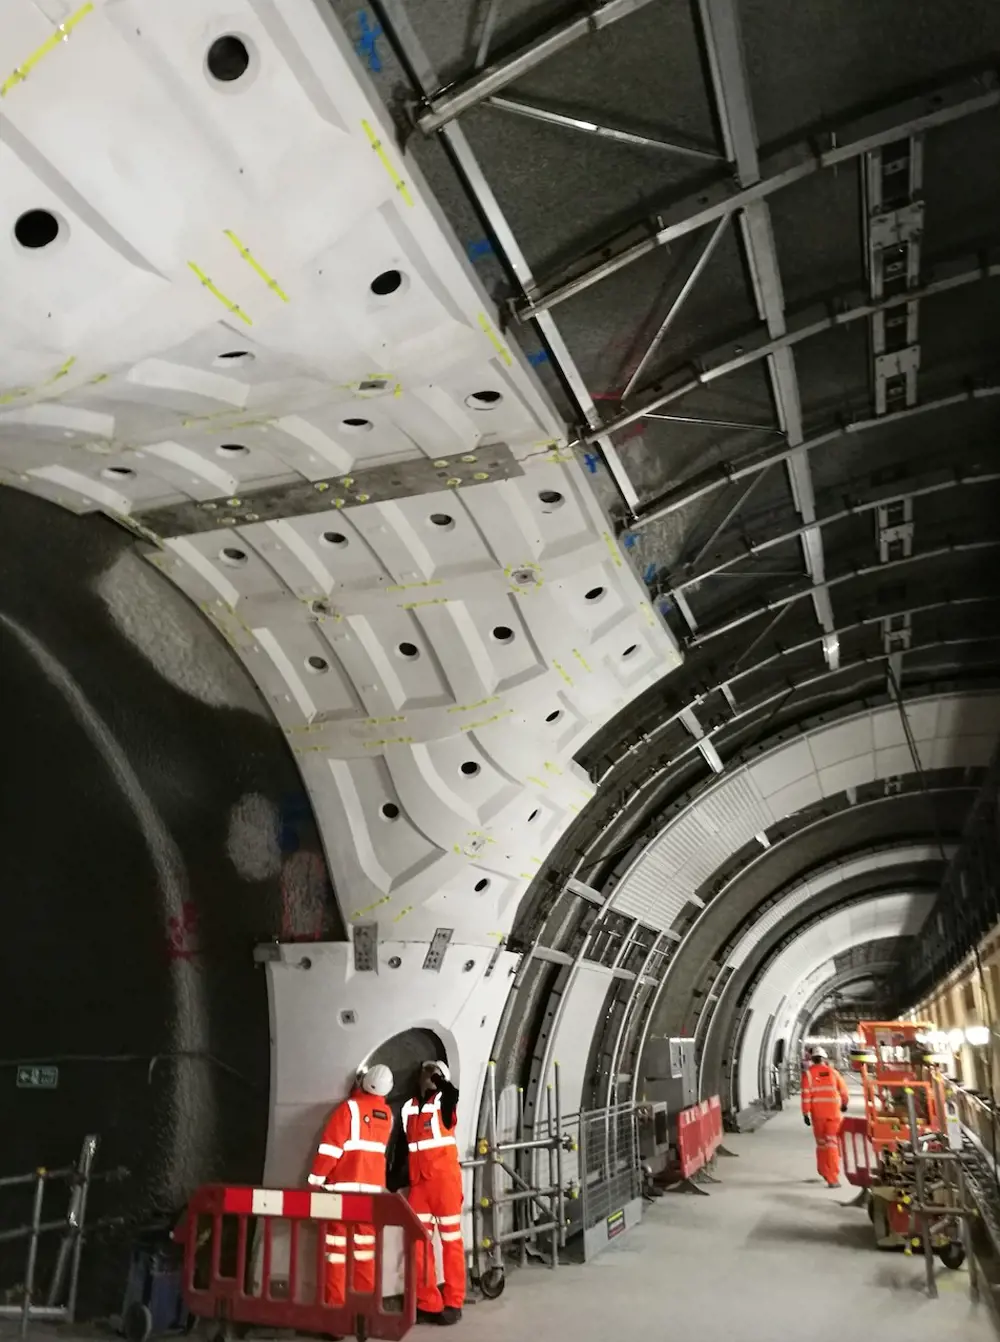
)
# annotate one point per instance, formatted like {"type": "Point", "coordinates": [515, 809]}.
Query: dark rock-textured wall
{"type": "Point", "coordinates": [153, 829]}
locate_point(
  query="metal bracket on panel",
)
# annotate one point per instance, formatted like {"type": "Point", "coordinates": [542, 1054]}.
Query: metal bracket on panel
{"type": "Point", "coordinates": [494, 958]}
{"type": "Point", "coordinates": [896, 379]}
{"type": "Point", "coordinates": [584, 891]}
{"type": "Point", "coordinates": [436, 950]}
{"type": "Point", "coordinates": [893, 785]}
{"type": "Point", "coordinates": [894, 524]}
{"type": "Point", "coordinates": [551, 955]}
{"type": "Point", "coordinates": [266, 954]}
{"type": "Point", "coordinates": [370, 484]}
{"type": "Point", "coordinates": [365, 942]}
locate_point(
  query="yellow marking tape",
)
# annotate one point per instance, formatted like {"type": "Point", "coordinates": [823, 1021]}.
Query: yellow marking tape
{"type": "Point", "coordinates": [560, 456]}
{"type": "Point", "coordinates": [360, 913]}
{"type": "Point", "coordinates": [16, 394]}
{"type": "Point", "coordinates": [378, 722]}
{"type": "Point", "coordinates": [563, 673]}
{"type": "Point", "coordinates": [581, 659]}
{"type": "Point", "coordinates": [644, 607]}
{"type": "Point", "coordinates": [22, 71]}
{"type": "Point", "coordinates": [386, 162]}
{"type": "Point", "coordinates": [252, 261]}
{"type": "Point", "coordinates": [537, 781]}
{"type": "Point", "coordinates": [214, 290]}
{"type": "Point", "coordinates": [485, 722]}
{"type": "Point", "coordinates": [409, 586]}
{"type": "Point", "coordinates": [403, 912]}
{"type": "Point", "coordinates": [552, 768]}
{"type": "Point", "coordinates": [389, 741]}
{"type": "Point", "coordinates": [494, 339]}
{"type": "Point", "coordinates": [613, 550]}
{"type": "Point", "coordinates": [431, 601]}
{"type": "Point", "coordinates": [480, 703]}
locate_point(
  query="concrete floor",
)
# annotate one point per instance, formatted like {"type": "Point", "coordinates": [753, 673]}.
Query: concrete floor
{"type": "Point", "coordinates": [772, 1253]}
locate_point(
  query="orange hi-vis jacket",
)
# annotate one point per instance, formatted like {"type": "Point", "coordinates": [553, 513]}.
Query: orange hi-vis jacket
{"type": "Point", "coordinates": [824, 1091]}
{"type": "Point", "coordinates": [430, 1141]}
{"type": "Point", "coordinates": [351, 1155]}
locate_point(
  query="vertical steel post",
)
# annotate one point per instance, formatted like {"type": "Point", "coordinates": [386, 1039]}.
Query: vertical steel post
{"type": "Point", "coordinates": [29, 1271]}
{"type": "Point", "coordinates": [552, 1167]}
{"type": "Point", "coordinates": [966, 1223]}
{"type": "Point", "coordinates": [522, 1211]}
{"type": "Point", "coordinates": [923, 1219]}
{"type": "Point", "coordinates": [493, 1157]}
{"type": "Point", "coordinates": [560, 1200]}
{"type": "Point", "coordinates": [79, 1210]}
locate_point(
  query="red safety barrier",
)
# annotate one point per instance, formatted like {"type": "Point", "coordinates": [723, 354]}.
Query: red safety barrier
{"type": "Point", "coordinates": [713, 1125]}
{"type": "Point", "coordinates": [229, 1264]}
{"type": "Point", "coordinates": [690, 1154]}
{"type": "Point", "coordinates": [856, 1152]}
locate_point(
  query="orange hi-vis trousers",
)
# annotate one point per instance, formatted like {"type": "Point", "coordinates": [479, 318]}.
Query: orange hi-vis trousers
{"type": "Point", "coordinates": [826, 1130]}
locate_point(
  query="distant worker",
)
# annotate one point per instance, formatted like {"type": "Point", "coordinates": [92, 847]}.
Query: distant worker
{"type": "Point", "coordinates": [436, 1191]}
{"type": "Point", "coordinates": [824, 1100]}
{"type": "Point", "coordinates": [351, 1159]}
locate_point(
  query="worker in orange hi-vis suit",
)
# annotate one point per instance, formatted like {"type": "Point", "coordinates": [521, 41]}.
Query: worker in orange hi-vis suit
{"type": "Point", "coordinates": [824, 1100]}
{"type": "Point", "coordinates": [436, 1191]}
{"type": "Point", "coordinates": [350, 1158]}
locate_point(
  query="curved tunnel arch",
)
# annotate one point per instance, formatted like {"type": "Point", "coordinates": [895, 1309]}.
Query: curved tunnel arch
{"type": "Point", "coordinates": [486, 703]}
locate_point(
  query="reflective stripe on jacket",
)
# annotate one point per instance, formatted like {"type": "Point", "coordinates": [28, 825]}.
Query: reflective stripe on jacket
{"type": "Point", "coordinates": [430, 1141]}
{"type": "Point", "coordinates": [351, 1155]}
{"type": "Point", "coordinates": [824, 1091]}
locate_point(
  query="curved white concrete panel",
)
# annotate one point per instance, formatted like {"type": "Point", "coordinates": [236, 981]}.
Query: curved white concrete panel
{"type": "Point", "coordinates": [950, 731]}
{"type": "Point", "coordinates": [793, 974]}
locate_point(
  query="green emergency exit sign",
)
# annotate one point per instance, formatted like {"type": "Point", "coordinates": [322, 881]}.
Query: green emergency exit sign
{"type": "Point", "coordinates": [37, 1078]}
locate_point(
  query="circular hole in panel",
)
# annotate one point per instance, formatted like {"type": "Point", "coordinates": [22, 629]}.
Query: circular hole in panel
{"type": "Point", "coordinates": [232, 356]}
{"type": "Point", "coordinates": [356, 425]}
{"type": "Point", "coordinates": [408, 650]}
{"type": "Point", "coordinates": [390, 811]}
{"type": "Point", "coordinates": [502, 634]}
{"type": "Point", "coordinates": [387, 283]}
{"type": "Point", "coordinates": [230, 555]}
{"type": "Point", "coordinates": [333, 538]}
{"type": "Point", "coordinates": [469, 964]}
{"type": "Point", "coordinates": [228, 58]}
{"type": "Point", "coordinates": [533, 816]}
{"type": "Point", "coordinates": [483, 400]}
{"type": "Point", "coordinates": [551, 498]}
{"type": "Point", "coordinates": [117, 473]}
{"type": "Point", "coordinates": [231, 450]}
{"type": "Point", "coordinates": [442, 520]}
{"type": "Point", "coordinates": [36, 228]}
{"type": "Point", "coordinates": [317, 664]}
{"type": "Point", "coordinates": [554, 716]}
{"type": "Point", "coordinates": [632, 648]}
{"type": "Point", "coordinates": [594, 594]}
{"type": "Point", "coordinates": [481, 885]}
{"type": "Point", "coordinates": [470, 768]}
{"type": "Point", "coordinates": [394, 961]}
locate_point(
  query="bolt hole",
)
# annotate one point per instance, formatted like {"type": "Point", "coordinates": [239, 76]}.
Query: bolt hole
{"type": "Point", "coordinates": [232, 450]}
{"type": "Point", "coordinates": [533, 816]}
{"type": "Point", "coordinates": [632, 648]}
{"type": "Point", "coordinates": [394, 961]}
{"type": "Point", "coordinates": [552, 498]}
{"type": "Point", "coordinates": [317, 664]}
{"type": "Point", "coordinates": [235, 356]}
{"type": "Point", "coordinates": [386, 283]}
{"type": "Point", "coordinates": [502, 634]}
{"type": "Point", "coordinates": [470, 768]}
{"type": "Point", "coordinates": [390, 810]}
{"type": "Point", "coordinates": [469, 964]}
{"type": "Point", "coordinates": [333, 538]}
{"type": "Point", "coordinates": [118, 473]}
{"type": "Point", "coordinates": [594, 594]}
{"type": "Point", "coordinates": [483, 400]}
{"type": "Point", "coordinates": [227, 59]}
{"type": "Point", "coordinates": [442, 520]}
{"type": "Point", "coordinates": [409, 650]}
{"type": "Point", "coordinates": [36, 228]}
{"type": "Point", "coordinates": [230, 555]}
{"type": "Point", "coordinates": [554, 716]}
{"type": "Point", "coordinates": [358, 425]}
{"type": "Point", "coordinates": [482, 885]}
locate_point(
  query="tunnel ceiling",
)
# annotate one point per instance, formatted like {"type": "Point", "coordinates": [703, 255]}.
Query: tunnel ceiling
{"type": "Point", "coordinates": [745, 252]}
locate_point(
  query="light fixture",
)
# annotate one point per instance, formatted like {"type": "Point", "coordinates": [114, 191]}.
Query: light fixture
{"type": "Point", "coordinates": [956, 1038]}
{"type": "Point", "coordinates": [978, 1035]}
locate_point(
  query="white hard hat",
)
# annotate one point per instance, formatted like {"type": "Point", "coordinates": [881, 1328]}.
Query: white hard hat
{"type": "Point", "coordinates": [441, 1067]}
{"type": "Point", "coordinates": [376, 1080]}
{"type": "Point", "coordinates": [818, 1052]}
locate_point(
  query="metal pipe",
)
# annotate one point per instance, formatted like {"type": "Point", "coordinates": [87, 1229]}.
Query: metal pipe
{"type": "Point", "coordinates": [526, 1186]}
{"type": "Point", "coordinates": [552, 1169]}
{"type": "Point", "coordinates": [22, 1232]}
{"type": "Point", "coordinates": [560, 1191]}
{"type": "Point", "coordinates": [39, 1313]}
{"type": "Point", "coordinates": [491, 1119]}
{"type": "Point", "coordinates": [918, 1174]}
{"type": "Point", "coordinates": [87, 1156]}
{"type": "Point", "coordinates": [552, 118]}
{"type": "Point", "coordinates": [11, 1180]}
{"type": "Point", "coordinates": [830, 321]}
{"type": "Point", "coordinates": [511, 1236]}
{"type": "Point", "coordinates": [529, 1144]}
{"type": "Point", "coordinates": [525, 1193]}
{"type": "Point", "coordinates": [966, 1232]}
{"type": "Point", "coordinates": [519, 1163]}
{"type": "Point", "coordinates": [786, 169]}
{"type": "Point", "coordinates": [29, 1271]}
{"type": "Point", "coordinates": [494, 77]}
{"type": "Point", "coordinates": [686, 289]}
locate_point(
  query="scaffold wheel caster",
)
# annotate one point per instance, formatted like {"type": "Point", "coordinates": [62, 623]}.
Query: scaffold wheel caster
{"type": "Point", "coordinates": [137, 1323]}
{"type": "Point", "coordinates": [952, 1255]}
{"type": "Point", "coordinates": [492, 1282]}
